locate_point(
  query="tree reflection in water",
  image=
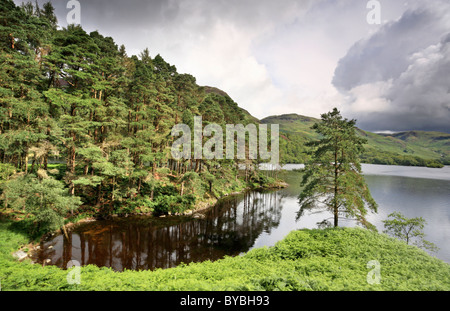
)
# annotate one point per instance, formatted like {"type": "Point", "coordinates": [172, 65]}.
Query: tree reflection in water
{"type": "Point", "coordinates": [138, 243]}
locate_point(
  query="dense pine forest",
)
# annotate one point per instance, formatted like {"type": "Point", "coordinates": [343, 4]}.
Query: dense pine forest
{"type": "Point", "coordinates": [85, 128]}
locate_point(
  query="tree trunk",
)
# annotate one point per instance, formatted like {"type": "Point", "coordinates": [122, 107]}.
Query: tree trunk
{"type": "Point", "coordinates": [26, 162]}
{"type": "Point", "coordinates": [65, 232]}
{"type": "Point", "coordinates": [46, 162]}
{"type": "Point", "coordinates": [99, 193]}
{"type": "Point", "coordinates": [335, 203]}
{"type": "Point", "coordinates": [139, 185]}
{"type": "Point", "coordinates": [112, 194]}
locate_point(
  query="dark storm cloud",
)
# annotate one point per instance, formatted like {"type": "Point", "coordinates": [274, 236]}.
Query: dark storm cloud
{"type": "Point", "coordinates": [385, 54]}
{"type": "Point", "coordinates": [399, 78]}
{"type": "Point", "coordinates": [172, 13]}
{"type": "Point", "coordinates": [115, 13]}
{"type": "Point", "coordinates": [134, 22]}
{"type": "Point", "coordinates": [129, 14]}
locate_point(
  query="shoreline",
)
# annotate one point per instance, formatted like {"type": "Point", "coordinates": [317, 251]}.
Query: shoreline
{"type": "Point", "coordinates": [34, 247]}
{"type": "Point", "coordinates": [206, 205]}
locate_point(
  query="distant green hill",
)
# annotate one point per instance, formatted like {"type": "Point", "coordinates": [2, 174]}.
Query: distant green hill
{"type": "Point", "coordinates": [416, 148]}
{"type": "Point", "coordinates": [412, 148]}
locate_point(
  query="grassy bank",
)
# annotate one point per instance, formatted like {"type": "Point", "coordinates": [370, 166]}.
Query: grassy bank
{"type": "Point", "coordinates": [330, 259]}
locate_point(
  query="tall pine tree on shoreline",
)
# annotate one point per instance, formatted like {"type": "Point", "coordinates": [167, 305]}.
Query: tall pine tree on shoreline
{"type": "Point", "coordinates": [332, 177]}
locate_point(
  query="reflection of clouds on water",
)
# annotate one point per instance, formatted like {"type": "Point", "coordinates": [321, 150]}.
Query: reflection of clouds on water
{"type": "Point", "coordinates": [393, 170]}
{"type": "Point", "coordinates": [407, 171]}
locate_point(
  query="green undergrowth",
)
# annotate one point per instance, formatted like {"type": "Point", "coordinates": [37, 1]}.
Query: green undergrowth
{"type": "Point", "coordinates": [317, 260]}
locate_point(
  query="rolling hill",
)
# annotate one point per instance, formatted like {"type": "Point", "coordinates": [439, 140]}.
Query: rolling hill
{"type": "Point", "coordinates": [411, 148]}
{"type": "Point", "coordinates": [417, 148]}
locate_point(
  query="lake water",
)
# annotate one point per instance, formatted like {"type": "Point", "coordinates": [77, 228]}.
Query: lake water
{"type": "Point", "coordinates": [255, 219]}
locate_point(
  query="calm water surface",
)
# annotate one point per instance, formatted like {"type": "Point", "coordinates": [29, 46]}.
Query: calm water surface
{"type": "Point", "coordinates": [255, 219]}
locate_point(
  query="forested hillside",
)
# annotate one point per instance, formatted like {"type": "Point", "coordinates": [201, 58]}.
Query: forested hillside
{"type": "Point", "coordinates": [84, 126]}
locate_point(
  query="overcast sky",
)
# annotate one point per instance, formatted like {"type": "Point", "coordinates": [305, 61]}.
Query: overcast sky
{"type": "Point", "coordinates": [293, 56]}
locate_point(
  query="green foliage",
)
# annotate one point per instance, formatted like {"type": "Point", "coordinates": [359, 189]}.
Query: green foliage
{"type": "Point", "coordinates": [47, 200]}
{"type": "Point", "coordinates": [12, 238]}
{"type": "Point", "coordinates": [333, 177]}
{"type": "Point", "coordinates": [260, 179]}
{"type": "Point", "coordinates": [173, 204]}
{"type": "Point", "coordinates": [390, 158]}
{"type": "Point", "coordinates": [166, 200]}
{"type": "Point", "coordinates": [306, 260]}
{"type": "Point", "coordinates": [6, 171]}
{"type": "Point", "coordinates": [408, 230]}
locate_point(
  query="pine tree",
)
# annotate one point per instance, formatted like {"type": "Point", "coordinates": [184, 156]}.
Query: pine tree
{"type": "Point", "coordinates": [332, 178]}
{"type": "Point", "coordinates": [23, 110]}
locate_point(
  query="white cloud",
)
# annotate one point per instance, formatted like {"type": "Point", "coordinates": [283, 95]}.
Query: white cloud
{"type": "Point", "coordinates": [370, 97]}
{"type": "Point", "coordinates": [225, 61]}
